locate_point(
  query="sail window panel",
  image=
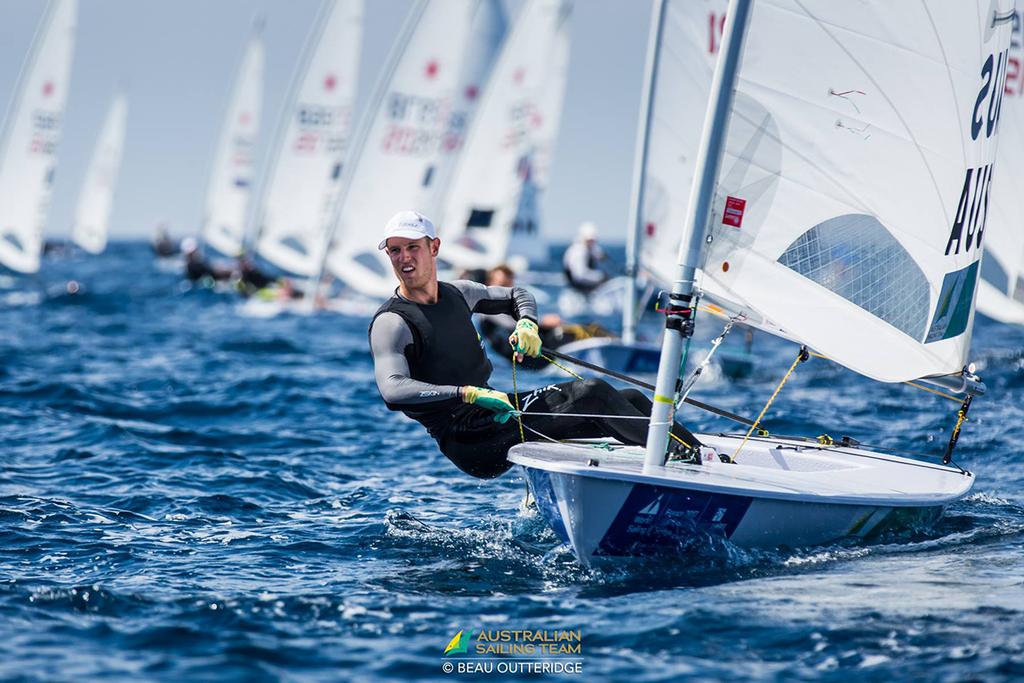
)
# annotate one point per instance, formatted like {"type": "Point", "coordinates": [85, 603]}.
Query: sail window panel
{"type": "Point", "coordinates": [372, 262]}
{"type": "Point", "coordinates": [15, 241]}
{"type": "Point", "coordinates": [994, 274]}
{"type": "Point", "coordinates": [296, 245]}
{"type": "Point", "coordinates": [855, 257]}
{"type": "Point", "coordinates": [1018, 292]}
{"type": "Point", "coordinates": [480, 218]}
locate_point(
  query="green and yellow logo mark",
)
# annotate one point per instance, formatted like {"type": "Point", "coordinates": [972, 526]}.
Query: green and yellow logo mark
{"type": "Point", "coordinates": [459, 644]}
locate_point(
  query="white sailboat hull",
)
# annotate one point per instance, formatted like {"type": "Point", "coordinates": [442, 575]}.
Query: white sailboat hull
{"type": "Point", "coordinates": [780, 493]}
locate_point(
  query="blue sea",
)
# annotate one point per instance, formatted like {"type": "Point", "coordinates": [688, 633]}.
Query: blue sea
{"type": "Point", "coordinates": [191, 493]}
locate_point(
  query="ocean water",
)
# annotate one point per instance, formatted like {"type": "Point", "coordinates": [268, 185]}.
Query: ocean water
{"type": "Point", "coordinates": [189, 493]}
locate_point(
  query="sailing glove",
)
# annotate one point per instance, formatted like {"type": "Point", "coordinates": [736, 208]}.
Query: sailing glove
{"type": "Point", "coordinates": [490, 399]}
{"type": "Point", "coordinates": [526, 340]}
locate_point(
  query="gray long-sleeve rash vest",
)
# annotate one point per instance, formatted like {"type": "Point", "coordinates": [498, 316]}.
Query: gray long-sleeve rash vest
{"type": "Point", "coordinates": [390, 335]}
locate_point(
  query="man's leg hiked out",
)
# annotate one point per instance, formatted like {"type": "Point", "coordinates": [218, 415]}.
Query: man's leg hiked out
{"type": "Point", "coordinates": [479, 446]}
{"type": "Point", "coordinates": [591, 397]}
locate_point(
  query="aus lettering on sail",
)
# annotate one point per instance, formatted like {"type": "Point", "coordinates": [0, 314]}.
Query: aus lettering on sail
{"type": "Point", "coordinates": [972, 210]}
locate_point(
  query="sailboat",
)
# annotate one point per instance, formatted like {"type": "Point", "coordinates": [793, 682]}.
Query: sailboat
{"type": "Point", "coordinates": [492, 209]}
{"type": "Point", "coordinates": [413, 132]}
{"type": "Point", "coordinates": [28, 144]}
{"type": "Point", "coordinates": [302, 182]}
{"type": "Point", "coordinates": [230, 184]}
{"type": "Point", "coordinates": [676, 88]}
{"type": "Point", "coordinates": [96, 198]}
{"type": "Point", "coordinates": [1001, 283]}
{"type": "Point", "coordinates": [839, 190]}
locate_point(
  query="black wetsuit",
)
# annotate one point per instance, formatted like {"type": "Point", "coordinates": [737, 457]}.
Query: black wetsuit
{"type": "Point", "coordinates": [424, 353]}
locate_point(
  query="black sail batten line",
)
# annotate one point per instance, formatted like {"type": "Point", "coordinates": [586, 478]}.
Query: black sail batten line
{"type": "Point", "coordinates": [650, 387]}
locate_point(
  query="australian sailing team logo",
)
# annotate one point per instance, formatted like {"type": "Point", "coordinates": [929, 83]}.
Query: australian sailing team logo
{"type": "Point", "coordinates": [519, 651]}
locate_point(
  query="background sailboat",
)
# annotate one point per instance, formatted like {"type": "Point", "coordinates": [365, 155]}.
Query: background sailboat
{"type": "Point", "coordinates": [1001, 285]}
{"type": "Point", "coordinates": [96, 198]}
{"type": "Point", "coordinates": [302, 182]}
{"type": "Point", "coordinates": [28, 145]}
{"type": "Point", "coordinates": [682, 48]}
{"type": "Point", "coordinates": [413, 132]}
{"type": "Point", "coordinates": [230, 185]}
{"type": "Point", "coordinates": [827, 212]}
{"type": "Point", "coordinates": [493, 207]}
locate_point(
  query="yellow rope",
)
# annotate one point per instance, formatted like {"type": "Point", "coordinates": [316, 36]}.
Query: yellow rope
{"type": "Point", "coordinates": [913, 384]}
{"type": "Point", "coordinates": [961, 417]}
{"type": "Point", "coordinates": [933, 391]}
{"type": "Point", "coordinates": [799, 358]}
{"type": "Point", "coordinates": [515, 397]}
{"type": "Point", "coordinates": [557, 365]}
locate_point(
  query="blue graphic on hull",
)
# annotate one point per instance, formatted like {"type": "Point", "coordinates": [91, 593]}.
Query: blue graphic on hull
{"type": "Point", "coordinates": [660, 518]}
{"type": "Point", "coordinates": [540, 484]}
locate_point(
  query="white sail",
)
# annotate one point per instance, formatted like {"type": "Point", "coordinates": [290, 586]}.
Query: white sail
{"type": "Point", "coordinates": [493, 202]}
{"type": "Point", "coordinates": [96, 198]}
{"type": "Point", "coordinates": [231, 177]}
{"type": "Point", "coordinates": [31, 133]}
{"type": "Point", "coordinates": [302, 184]}
{"type": "Point", "coordinates": [853, 193]}
{"type": "Point", "coordinates": [414, 130]}
{"type": "Point", "coordinates": [690, 36]}
{"type": "Point", "coordinates": [1001, 287]}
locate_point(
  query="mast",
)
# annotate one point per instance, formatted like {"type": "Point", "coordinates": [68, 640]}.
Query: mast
{"type": "Point", "coordinates": [636, 201]}
{"type": "Point", "coordinates": [679, 321]}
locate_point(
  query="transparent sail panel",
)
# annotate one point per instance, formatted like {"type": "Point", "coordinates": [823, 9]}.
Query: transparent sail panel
{"type": "Point", "coordinates": [855, 257]}
{"type": "Point", "coordinates": [994, 274]}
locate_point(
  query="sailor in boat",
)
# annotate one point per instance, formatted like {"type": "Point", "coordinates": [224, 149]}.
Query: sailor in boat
{"type": "Point", "coordinates": [163, 245]}
{"type": "Point", "coordinates": [250, 279]}
{"type": "Point", "coordinates": [581, 261]}
{"type": "Point", "coordinates": [554, 332]}
{"type": "Point", "coordinates": [429, 363]}
{"type": "Point", "coordinates": [197, 268]}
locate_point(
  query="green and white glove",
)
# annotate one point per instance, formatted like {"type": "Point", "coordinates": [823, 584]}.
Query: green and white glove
{"type": "Point", "coordinates": [490, 399]}
{"type": "Point", "coordinates": [526, 339]}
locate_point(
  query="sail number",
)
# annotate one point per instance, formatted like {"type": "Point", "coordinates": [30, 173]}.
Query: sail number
{"type": "Point", "coordinates": [990, 96]}
{"type": "Point", "coordinates": [716, 27]}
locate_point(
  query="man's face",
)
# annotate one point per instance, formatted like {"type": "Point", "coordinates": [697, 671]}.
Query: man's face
{"type": "Point", "coordinates": [413, 260]}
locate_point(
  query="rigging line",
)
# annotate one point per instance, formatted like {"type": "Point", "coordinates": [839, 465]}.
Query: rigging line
{"type": "Point", "coordinates": [650, 387]}
{"type": "Point", "coordinates": [838, 449]}
{"type": "Point", "coordinates": [695, 375]}
{"type": "Point", "coordinates": [948, 397]}
{"type": "Point", "coordinates": [933, 391]}
{"type": "Point", "coordinates": [800, 358]}
{"type": "Point", "coordinates": [515, 398]}
{"type": "Point", "coordinates": [594, 415]}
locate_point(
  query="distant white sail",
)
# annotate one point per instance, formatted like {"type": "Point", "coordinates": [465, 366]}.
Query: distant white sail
{"type": "Point", "coordinates": [1001, 287]}
{"type": "Point", "coordinates": [96, 198]}
{"type": "Point", "coordinates": [31, 133]}
{"type": "Point", "coordinates": [303, 181]}
{"type": "Point", "coordinates": [414, 130]}
{"type": "Point", "coordinates": [691, 33]}
{"type": "Point", "coordinates": [854, 190]}
{"type": "Point", "coordinates": [493, 203]}
{"type": "Point", "coordinates": [231, 177]}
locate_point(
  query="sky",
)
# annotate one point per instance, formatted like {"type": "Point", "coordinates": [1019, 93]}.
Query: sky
{"type": "Point", "coordinates": [178, 59]}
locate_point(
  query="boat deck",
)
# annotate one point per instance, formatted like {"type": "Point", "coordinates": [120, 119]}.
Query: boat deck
{"type": "Point", "coordinates": [767, 467]}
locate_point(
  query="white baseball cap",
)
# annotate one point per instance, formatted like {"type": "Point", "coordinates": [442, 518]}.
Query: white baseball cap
{"type": "Point", "coordinates": [409, 224]}
{"type": "Point", "coordinates": [587, 231]}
